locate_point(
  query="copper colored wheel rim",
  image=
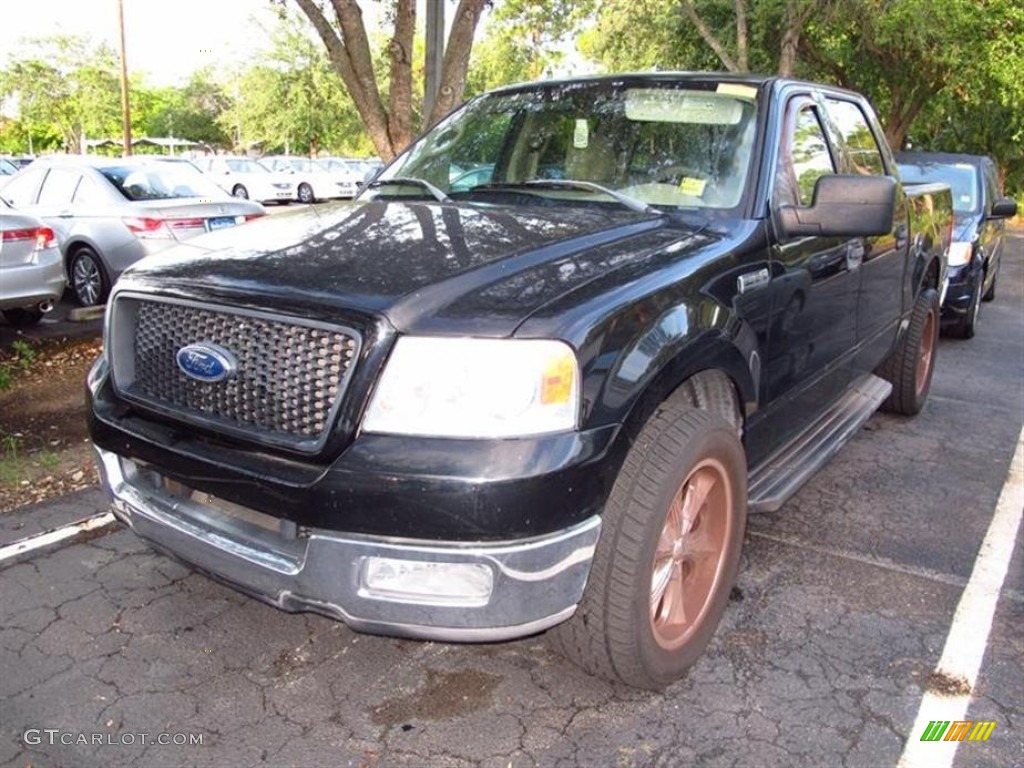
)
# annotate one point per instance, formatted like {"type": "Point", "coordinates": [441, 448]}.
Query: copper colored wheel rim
{"type": "Point", "coordinates": [924, 357]}
{"type": "Point", "coordinates": [687, 561]}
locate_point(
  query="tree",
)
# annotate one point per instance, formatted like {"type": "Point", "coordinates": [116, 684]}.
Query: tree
{"type": "Point", "coordinates": [192, 112]}
{"type": "Point", "coordinates": [65, 86]}
{"type": "Point", "coordinates": [340, 26]}
{"type": "Point", "coordinates": [289, 98]}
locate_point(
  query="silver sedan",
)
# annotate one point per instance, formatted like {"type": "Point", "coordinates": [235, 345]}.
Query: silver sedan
{"type": "Point", "coordinates": [31, 267]}
{"type": "Point", "coordinates": [110, 212]}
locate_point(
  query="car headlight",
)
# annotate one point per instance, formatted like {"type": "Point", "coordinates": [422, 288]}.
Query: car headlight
{"type": "Point", "coordinates": [959, 253]}
{"type": "Point", "coordinates": [476, 388]}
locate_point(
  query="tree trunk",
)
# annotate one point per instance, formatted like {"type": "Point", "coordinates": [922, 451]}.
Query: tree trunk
{"type": "Point", "coordinates": [391, 130]}
{"type": "Point", "coordinates": [400, 96]}
{"type": "Point", "coordinates": [456, 59]}
{"type": "Point", "coordinates": [794, 22]}
{"type": "Point", "coordinates": [363, 90]}
{"type": "Point", "coordinates": [737, 64]}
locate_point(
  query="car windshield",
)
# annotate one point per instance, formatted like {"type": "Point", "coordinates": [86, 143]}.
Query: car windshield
{"type": "Point", "coordinates": [160, 181]}
{"type": "Point", "coordinates": [961, 177]}
{"type": "Point", "coordinates": [243, 165]}
{"type": "Point", "coordinates": [304, 165]}
{"type": "Point", "coordinates": [7, 167]}
{"type": "Point", "coordinates": [679, 144]}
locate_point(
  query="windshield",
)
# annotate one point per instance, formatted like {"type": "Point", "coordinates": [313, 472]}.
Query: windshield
{"type": "Point", "coordinates": [300, 165]}
{"type": "Point", "coordinates": [961, 177]}
{"type": "Point", "coordinates": [683, 144]}
{"type": "Point", "coordinates": [7, 167]}
{"type": "Point", "coordinates": [243, 165]}
{"type": "Point", "coordinates": [160, 181]}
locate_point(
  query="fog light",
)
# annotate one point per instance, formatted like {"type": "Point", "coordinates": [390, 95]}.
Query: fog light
{"type": "Point", "coordinates": [414, 581]}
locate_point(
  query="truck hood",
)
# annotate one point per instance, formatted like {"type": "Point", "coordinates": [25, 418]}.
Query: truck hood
{"type": "Point", "coordinates": [426, 267]}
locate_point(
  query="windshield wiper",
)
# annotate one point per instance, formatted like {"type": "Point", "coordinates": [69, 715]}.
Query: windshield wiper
{"type": "Point", "coordinates": [411, 181]}
{"type": "Point", "coordinates": [629, 202]}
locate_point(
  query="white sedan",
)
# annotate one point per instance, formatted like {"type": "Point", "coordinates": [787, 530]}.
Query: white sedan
{"type": "Point", "coordinates": [247, 178]}
{"type": "Point", "coordinates": [314, 180]}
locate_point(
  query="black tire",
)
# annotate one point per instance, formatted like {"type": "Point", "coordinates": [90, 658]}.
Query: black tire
{"type": "Point", "coordinates": [910, 365]}
{"type": "Point", "coordinates": [966, 324]}
{"type": "Point", "coordinates": [623, 630]}
{"type": "Point", "coordinates": [306, 194]}
{"type": "Point", "coordinates": [87, 277]}
{"type": "Point", "coordinates": [240, 192]}
{"type": "Point", "coordinates": [991, 292]}
{"type": "Point", "coordinates": [23, 318]}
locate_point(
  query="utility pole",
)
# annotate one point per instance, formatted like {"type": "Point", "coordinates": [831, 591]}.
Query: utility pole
{"type": "Point", "coordinates": [126, 110]}
{"type": "Point", "coordinates": [434, 56]}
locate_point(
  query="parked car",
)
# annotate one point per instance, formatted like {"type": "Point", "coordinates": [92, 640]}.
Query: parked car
{"type": "Point", "coordinates": [248, 179]}
{"type": "Point", "coordinates": [353, 170]}
{"type": "Point", "coordinates": [980, 211]}
{"type": "Point", "coordinates": [31, 267]}
{"type": "Point", "coordinates": [110, 212]}
{"type": "Point", "coordinates": [314, 179]}
{"type": "Point", "coordinates": [472, 177]}
{"type": "Point", "coordinates": [540, 403]}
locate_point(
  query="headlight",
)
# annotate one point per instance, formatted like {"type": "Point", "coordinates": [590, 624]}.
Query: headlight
{"type": "Point", "coordinates": [476, 388]}
{"type": "Point", "coordinates": [959, 253]}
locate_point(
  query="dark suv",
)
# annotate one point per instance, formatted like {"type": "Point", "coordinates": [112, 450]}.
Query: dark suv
{"type": "Point", "coordinates": [977, 246]}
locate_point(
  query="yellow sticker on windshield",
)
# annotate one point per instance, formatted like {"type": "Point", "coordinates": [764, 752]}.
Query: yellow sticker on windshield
{"type": "Point", "coordinates": [691, 186]}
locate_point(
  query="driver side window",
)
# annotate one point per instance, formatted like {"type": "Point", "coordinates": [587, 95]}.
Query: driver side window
{"type": "Point", "coordinates": [804, 157]}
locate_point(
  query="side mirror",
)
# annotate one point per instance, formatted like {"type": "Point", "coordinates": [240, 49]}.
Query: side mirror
{"type": "Point", "coordinates": [1004, 208]}
{"type": "Point", "coordinates": [843, 206]}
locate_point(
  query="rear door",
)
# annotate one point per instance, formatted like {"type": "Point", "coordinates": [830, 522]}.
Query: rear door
{"type": "Point", "coordinates": [54, 204]}
{"type": "Point", "coordinates": [883, 259]}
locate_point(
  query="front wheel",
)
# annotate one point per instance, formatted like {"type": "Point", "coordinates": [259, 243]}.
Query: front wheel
{"type": "Point", "coordinates": [671, 538]}
{"type": "Point", "coordinates": [967, 323]}
{"type": "Point", "coordinates": [910, 365]}
{"type": "Point", "coordinates": [240, 192]}
{"type": "Point", "coordinates": [306, 194]}
{"type": "Point", "coordinates": [990, 294]}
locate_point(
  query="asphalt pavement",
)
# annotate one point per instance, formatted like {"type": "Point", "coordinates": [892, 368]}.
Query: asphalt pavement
{"type": "Point", "coordinates": [826, 657]}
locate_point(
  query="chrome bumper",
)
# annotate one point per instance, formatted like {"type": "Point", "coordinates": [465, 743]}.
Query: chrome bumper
{"type": "Point", "coordinates": [537, 582]}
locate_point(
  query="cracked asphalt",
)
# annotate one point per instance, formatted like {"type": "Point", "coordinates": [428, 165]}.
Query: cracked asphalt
{"type": "Point", "coordinates": [843, 605]}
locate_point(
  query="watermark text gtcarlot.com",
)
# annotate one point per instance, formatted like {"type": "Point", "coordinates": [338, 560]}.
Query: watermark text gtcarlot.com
{"type": "Point", "coordinates": [54, 736]}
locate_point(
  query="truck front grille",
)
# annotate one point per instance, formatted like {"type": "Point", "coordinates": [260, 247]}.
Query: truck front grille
{"type": "Point", "coordinates": [289, 380]}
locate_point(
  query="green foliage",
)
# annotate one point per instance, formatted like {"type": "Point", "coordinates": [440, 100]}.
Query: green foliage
{"type": "Point", "coordinates": [20, 359]}
{"type": "Point", "coordinates": [291, 98]}
{"type": "Point", "coordinates": [191, 112]}
{"type": "Point", "coordinates": [64, 87]}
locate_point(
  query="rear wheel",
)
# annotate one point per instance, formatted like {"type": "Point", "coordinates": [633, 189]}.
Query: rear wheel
{"type": "Point", "coordinates": [23, 318]}
{"type": "Point", "coordinates": [240, 191]}
{"type": "Point", "coordinates": [910, 365]}
{"type": "Point", "coordinates": [306, 193]}
{"type": "Point", "coordinates": [89, 281]}
{"type": "Point", "coordinates": [670, 544]}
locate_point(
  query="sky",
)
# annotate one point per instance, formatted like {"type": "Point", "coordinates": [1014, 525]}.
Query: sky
{"type": "Point", "coordinates": [166, 39]}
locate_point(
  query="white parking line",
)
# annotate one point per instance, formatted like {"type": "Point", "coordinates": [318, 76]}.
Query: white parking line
{"type": "Point", "coordinates": [48, 538]}
{"type": "Point", "coordinates": [965, 644]}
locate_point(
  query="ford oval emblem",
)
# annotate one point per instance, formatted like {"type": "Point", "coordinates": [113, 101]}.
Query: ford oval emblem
{"type": "Point", "coordinates": [206, 362]}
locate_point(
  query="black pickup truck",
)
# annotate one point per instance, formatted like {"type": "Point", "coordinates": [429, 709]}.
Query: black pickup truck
{"type": "Point", "coordinates": [545, 399]}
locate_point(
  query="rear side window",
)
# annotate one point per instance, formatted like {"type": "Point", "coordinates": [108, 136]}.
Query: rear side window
{"type": "Point", "coordinates": [21, 190]}
{"type": "Point", "coordinates": [59, 186]}
{"type": "Point", "coordinates": [855, 132]}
